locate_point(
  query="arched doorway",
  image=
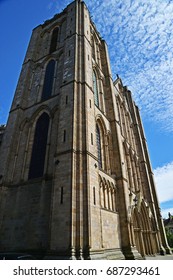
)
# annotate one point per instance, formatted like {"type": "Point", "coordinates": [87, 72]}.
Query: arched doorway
{"type": "Point", "coordinates": [136, 227]}
{"type": "Point", "coordinates": [144, 231]}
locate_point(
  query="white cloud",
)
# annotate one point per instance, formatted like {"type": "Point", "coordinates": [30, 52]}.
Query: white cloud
{"type": "Point", "coordinates": [166, 211]}
{"type": "Point", "coordinates": [139, 36]}
{"type": "Point", "coordinates": [164, 182]}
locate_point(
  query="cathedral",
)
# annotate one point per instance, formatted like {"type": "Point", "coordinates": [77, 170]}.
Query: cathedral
{"type": "Point", "coordinates": [75, 175]}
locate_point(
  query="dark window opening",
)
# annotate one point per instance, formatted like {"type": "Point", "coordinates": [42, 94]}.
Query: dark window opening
{"type": "Point", "coordinates": [94, 195]}
{"type": "Point", "coordinates": [54, 40]}
{"type": "Point", "coordinates": [64, 137]}
{"type": "Point", "coordinates": [91, 139]}
{"type": "Point", "coordinates": [90, 103]}
{"type": "Point", "coordinates": [62, 193]}
{"type": "Point", "coordinates": [48, 80]}
{"type": "Point", "coordinates": [36, 168]}
{"type": "Point", "coordinates": [66, 100]}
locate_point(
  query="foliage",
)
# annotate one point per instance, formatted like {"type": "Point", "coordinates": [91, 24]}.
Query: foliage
{"type": "Point", "coordinates": [169, 235]}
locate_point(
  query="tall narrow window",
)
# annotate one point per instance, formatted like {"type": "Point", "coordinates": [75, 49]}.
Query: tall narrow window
{"type": "Point", "coordinates": [94, 195]}
{"type": "Point", "coordinates": [95, 88]}
{"type": "Point", "coordinates": [62, 193]}
{"type": "Point", "coordinates": [36, 168]}
{"type": "Point", "coordinates": [66, 100]}
{"type": "Point", "coordinates": [64, 136]}
{"type": "Point", "coordinates": [93, 48]}
{"type": "Point", "coordinates": [54, 40]}
{"type": "Point", "coordinates": [99, 151]}
{"type": "Point", "coordinates": [48, 80]}
{"type": "Point", "coordinates": [91, 139]}
{"type": "Point", "coordinates": [90, 103]}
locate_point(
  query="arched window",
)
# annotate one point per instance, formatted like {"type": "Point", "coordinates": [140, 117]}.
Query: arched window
{"type": "Point", "coordinates": [95, 88]}
{"type": "Point", "coordinates": [54, 40]}
{"type": "Point", "coordinates": [36, 168]}
{"type": "Point", "coordinates": [48, 80]}
{"type": "Point", "coordinates": [99, 149]}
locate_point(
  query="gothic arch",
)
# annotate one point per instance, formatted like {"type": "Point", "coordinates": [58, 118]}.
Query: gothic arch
{"type": "Point", "coordinates": [145, 236]}
{"type": "Point", "coordinates": [54, 56]}
{"type": "Point", "coordinates": [97, 44]}
{"type": "Point", "coordinates": [42, 109]}
{"type": "Point", "coordinates": [99, 141]}
{"type": "Point", "coordinates": [54, 39]}
{"type": "Point", "coordinates": [54, 110]}
{"type": "Point", "coordinates": [36, 115]}
{"type": "Point", "coordinates": [28, 136]}
{"type": "Point", "coordinates": [99, 77]}
{"type": "Point", "coordinates": [96, 88]}
{"type": "Point", "coordinates": [94, 45]}
{"type": "Point", "coordinates": [49, 28]}
{"type": "Point", "coordinates": [38, 154]}
{"type": "Point", "coordinates": [101, 123]}
{"type": "Point", "coordinates": [137, 232]}
{"type": "Point", "coordinates": [48, 80]}
{"type": "Point", "coordinates": [100, 138]}
{"type": "Point", "coordinates": [108, 194]}
{"type": "Point", "coordinates": [24, 123]}
{"type": "Point", "coordinates": [102, 144]}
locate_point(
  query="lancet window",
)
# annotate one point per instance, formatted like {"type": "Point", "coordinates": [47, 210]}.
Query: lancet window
{"type": "Point", "coordinates": [95, 89]}
{"type": "Point", "coordinates": [99, 148]}
{"type": "Point", "coordinates": [48, 80]}
{"type": "Point", "coordinates": [37, 162]}
{"type": "Point", "coordinates": [54, 40]}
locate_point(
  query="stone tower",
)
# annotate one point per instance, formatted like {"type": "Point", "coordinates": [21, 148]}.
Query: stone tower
{"type": "Point", "coordinates": [75, 176]}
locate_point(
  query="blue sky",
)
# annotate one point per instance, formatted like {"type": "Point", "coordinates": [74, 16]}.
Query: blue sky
{"type": "Point", "coordinates": [140, 39]}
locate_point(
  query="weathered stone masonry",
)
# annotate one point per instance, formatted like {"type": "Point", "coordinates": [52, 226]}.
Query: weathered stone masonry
{"type": "Point", "coordinates": [75, 175]}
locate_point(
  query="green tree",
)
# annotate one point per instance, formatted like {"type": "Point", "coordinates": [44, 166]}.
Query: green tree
{"type": "Point", "coordinates": [169, 235]}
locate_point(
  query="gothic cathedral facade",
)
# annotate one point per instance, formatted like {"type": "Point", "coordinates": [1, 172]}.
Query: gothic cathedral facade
{"type": "Point", "coordinates": [75, 175]}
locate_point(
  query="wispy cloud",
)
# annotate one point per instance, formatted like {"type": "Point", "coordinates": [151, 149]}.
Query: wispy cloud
{"type": "Point", "coordinates": [139, 36]}
{"type": "Point", "coordinates": [164, 182]}
{"type": "Point", "coordinates": [164, 186]}
{"type": "Point", "coordinates": [140, 39]}
{"type": "Point", "coordinates": [58, 5]}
